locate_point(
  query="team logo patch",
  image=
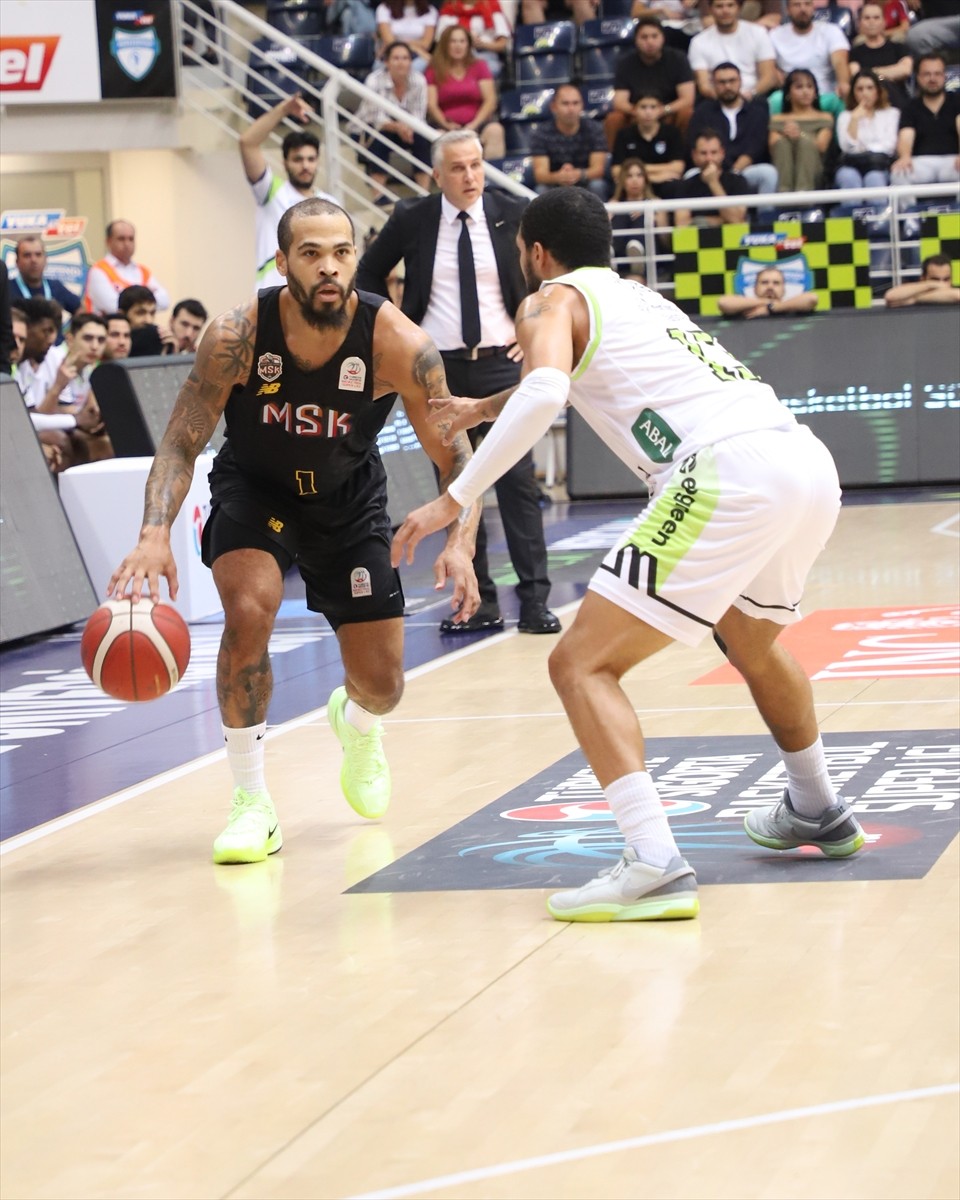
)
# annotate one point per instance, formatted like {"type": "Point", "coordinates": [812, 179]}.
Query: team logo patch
{"type": "Point", "coordinates": [360, 584]}
{"type": "Point", "coordinates": [269, 367]}
{"type": "Point", "coordinates": [353, 375]}
{"type": "Point", "coordinates": [135, 52]}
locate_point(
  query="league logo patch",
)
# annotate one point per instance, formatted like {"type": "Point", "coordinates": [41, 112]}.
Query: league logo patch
{"type": "Point", "coordinates": [360, 584]}
{"type": "Point", "coordinates": [353, 375]}
{"type": "Point", "coordinates": [269, 367]}
{"type": "Point", "coordinates": [135, 52]}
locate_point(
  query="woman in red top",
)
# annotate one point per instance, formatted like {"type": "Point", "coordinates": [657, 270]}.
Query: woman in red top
{"type": "Point", "coordinates": [460, 91]}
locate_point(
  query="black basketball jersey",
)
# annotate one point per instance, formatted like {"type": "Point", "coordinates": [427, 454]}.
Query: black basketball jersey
{"type": "Point", "coordinates": [305, 437]}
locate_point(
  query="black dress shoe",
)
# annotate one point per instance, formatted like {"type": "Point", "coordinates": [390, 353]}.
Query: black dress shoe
{"type": "Point", "coordinates": [538, 620]}
{"type": "Point", "coordinates": [480, 622]}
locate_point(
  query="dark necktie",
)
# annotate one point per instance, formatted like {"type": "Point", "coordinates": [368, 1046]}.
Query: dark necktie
{"type": "Point", "coordinates": [469, 300]}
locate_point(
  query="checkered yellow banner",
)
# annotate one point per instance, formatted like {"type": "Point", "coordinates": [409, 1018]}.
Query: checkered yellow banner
{"type": "Point", "coordinates": [836, 252]}
{"type": "Point", "coordinates": [940, 234]}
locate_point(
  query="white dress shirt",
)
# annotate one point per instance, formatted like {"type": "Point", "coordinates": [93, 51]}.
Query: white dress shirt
{"type": "Point", "coordinates": [442, 320]}
{"type": "Point", "coordinates": [102, 292]}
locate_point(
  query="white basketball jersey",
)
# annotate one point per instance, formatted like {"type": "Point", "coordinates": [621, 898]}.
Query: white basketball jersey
{"type": "Point", "coordinates": [653, 385]}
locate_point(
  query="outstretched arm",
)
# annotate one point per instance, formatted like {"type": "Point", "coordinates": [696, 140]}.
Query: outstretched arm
{"type": "Point", "coordinates": [224, 358]}
{"type": "Point", "coordinates": [253, 137]}
{"type": "Point", "coordinates": [406, 361]}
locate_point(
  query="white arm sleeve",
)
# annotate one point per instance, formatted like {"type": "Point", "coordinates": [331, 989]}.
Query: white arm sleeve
{"type": "Point", "coordinates": [42, 421]}
{"type": "Point", "coordinates": [526, 417]}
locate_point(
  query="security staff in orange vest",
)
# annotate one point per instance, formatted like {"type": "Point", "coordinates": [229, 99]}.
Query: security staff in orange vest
{"type": "Point", "coordinates": [107, 278]}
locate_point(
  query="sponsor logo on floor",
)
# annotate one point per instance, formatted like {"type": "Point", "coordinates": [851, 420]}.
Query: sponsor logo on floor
{"type": "Point", "coordinates": [555, 830]}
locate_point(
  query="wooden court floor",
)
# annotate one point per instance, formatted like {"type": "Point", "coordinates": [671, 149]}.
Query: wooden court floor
{"type": "Point", "coordinates": [175, 1029]}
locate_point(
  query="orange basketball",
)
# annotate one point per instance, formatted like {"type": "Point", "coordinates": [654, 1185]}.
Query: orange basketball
{"type": "Point", "coordinates": [135, 651]}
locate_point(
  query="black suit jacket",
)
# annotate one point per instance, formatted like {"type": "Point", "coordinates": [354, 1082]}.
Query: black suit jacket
{"type": "Point", "coordinates": [411, 235]}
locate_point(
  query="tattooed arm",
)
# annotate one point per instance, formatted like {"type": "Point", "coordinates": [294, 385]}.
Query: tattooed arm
{"type": "Point", "coordinates": [406, 361]}
{"type": "Point", "coordinates": [224, 358]}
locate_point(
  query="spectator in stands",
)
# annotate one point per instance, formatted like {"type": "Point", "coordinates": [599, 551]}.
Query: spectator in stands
{"type": "Point", "coordinates": [395, 80]}
{"type": "Point", "coordinates": [733, 40]}
{"type": "Point", "coordinates": [801, 135]}
{"type": "Point", "coordinates": [680, 19]}
{"type": "Point", "coordinates": [37, 369]}
{"type": "Point", "coordinates": [928, 145]}
{"type": "Point", "coordinates": [896, 19]}
{"type": "Point", "coordinates": [935, 286]}
{"type": "Point", "coordinates": [937, 30]}
{"type": "Point", "coordinates": [538, 12]}
{"type": "Point", "coordinates": [658, 146]}
{"type": "Point", "coordinates": [461, 93]}
{"type": "Point", "coordinates": [633, 187]}
{"type": "Point", "coordinates": [18, 336]}
{"type": "Point", "coordinates": [117, 270]}
{"type": "Point", "coordinates": [30, 279]}
{"type": "Point", "coordinates": [650, 67]}
{"type": "Point", "coordinates": [769, 298]}
{"type": "Point", "coordinates": [189, 318]}
{"type": "Point", "coordinates": [273, 195]}
{"type": "Point", "coordinates": [743, 126]}
{"type": "Point", "coordinates": [349, 17]}
{"type": "Point", "coordinates": [710, 179]}
{"type": "Point", "coordinates": [874, 51]}
{"type": "Point", "coordinates": [819, 47]}
{"type": "Point", "coordinates": [570, 150]}
{"type": "Point", "coordinates": [867, 134]}
{"type": "Point", "coordinates": [413, 25]}
{"type": "Point", "coordinates": [118, 336]}
{"type": "Point", "coordinates": [484, 20]}
{"type": "Point", "coordinates": [140, 310]}
{"type": "Point", "coordinates": [7, 340]}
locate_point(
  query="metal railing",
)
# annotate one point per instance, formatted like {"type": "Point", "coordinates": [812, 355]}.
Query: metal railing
{"type": "Point", "coordinates": [219, 92]}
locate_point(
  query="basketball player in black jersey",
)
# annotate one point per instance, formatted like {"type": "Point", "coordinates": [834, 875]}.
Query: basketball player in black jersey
{"type": "Point", "coordinates": [305, 376]}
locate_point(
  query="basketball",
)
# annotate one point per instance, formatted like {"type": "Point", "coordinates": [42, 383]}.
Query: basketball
{"type": "Point", "coordinates": [135, 651]}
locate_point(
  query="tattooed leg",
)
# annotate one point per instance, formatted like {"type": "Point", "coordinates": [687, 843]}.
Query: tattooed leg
{"type": "Point", "coordinates": [251, 588]}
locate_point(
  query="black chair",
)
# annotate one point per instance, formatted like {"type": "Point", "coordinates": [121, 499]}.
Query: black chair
{"type": "Point", "coordinates": [518, 167]}
{"type": "Point", "coordinates": [297, 18]}
{"type": "Point", "coordinates": [597, 99]}
{"type": "Point", "coordinates": [607, 31]}
{"type": "Point", "coordinates": [354, 54]}
{"type": "Point", "coordinates": [599, 62]}
{"type": "Point", "coordinates": [543, 70]}
{"type": "Point", "coordinates": [269, 85]}
{"type": "Point", "coordinates": [556, 37]}
{"type": "Point", "coordinates": [839, 16]}
{"type": "Point", "coordinates": [529, 104]}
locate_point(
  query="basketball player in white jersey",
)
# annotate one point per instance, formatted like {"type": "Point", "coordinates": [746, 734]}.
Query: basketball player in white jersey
{"type": "Point", "coordinates": [742, 500]}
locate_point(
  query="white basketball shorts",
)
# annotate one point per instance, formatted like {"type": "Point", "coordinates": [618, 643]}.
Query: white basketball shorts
{"type": "Point", "coordinates": [739, 523]}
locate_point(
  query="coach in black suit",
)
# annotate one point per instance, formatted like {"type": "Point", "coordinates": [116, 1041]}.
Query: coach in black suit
{"type": "Point", "coordinates": [463, 284]}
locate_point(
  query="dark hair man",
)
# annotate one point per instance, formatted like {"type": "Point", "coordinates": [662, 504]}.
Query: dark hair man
{"type": "Point", "coordinates": [935, 286]}
{"type": "Point", "coordinates": [305, 376]}
{"type": "Point", "coordinates": [743, 500]}
{"type": "Point", "coordinates": [31, 279]}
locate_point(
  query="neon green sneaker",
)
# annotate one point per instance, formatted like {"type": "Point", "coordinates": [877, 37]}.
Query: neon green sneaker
{"type": "Point", "coordinates": [365, 775]}
{"type": "Point", "coordinates": [252, 832]}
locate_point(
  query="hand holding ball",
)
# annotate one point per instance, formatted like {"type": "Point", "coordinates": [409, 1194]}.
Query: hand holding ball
{"type": "Point", "coordinates": [135, 651]}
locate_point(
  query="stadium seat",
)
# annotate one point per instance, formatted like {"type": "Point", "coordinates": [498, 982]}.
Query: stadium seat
{"type": "Point", "coordinates": [599, 62]}
{"type": "Point", "coordinates": [354, 54]}
{"type": "Point", "coordinates": [531, 104]}
{"type": "Point", "coordinates": [607, 31]}
{"type": "Point", "coordinates": [558, 37]}
{"type": "Point", "coordinates": [597, 100]}
{"type": "Point", "coordinates": [518, 135]}
{"type": "Point", "coordinates": [840, 16]}
{"type": "Point", "coordinates": [297, 18]}
{"type": "Point", "coordinates": [615, 8]}
{"type": "Point", "coordinates": [270, 85]}
{"type": "Point", "coordinates": [543, 70]}
{"type": "Point", "coordinates": [519, 168]}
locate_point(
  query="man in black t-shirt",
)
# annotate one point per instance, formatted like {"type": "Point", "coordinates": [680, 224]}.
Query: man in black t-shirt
{"type": "Point", "coordinates": [928, 146]}
{"type": "Point", "coordinates": [650, 67]}
{"type": "Point", "coordinates": [888, 60]}
{"type": "Point", "coordinates": [711, 180]}
{"type": "Point", "coordinates": [659, 147]}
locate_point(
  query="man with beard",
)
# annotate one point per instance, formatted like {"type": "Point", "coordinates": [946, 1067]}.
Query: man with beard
{"type": "Point", "coordinates": [928, 145]}
{"type": "Point", "coordinates": [819, 47]}
{"type": "Point", "coordinates": [743, 499]}
{"type": "Point", "coordinates": [769, 298]}
{"type": "Point", "coordinates": [273, 195]}
{"type": "Point", "coordinates": [305, 376]}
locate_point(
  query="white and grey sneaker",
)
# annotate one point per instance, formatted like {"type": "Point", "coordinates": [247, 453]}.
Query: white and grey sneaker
{"type": "Point", "coordinates": [631, 890]}
{"type": "Point", "coordinates": [837, 832]}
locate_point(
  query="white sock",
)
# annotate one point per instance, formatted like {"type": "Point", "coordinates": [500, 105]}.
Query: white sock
{"type": "Point", "coordinates": [245, 756]}
{"type": "Point", "coordinates": [634, 802]}
{"type": "Point", "coordinates": [811, 792]}
{"type": "Point", "coordinates": [359, 718]}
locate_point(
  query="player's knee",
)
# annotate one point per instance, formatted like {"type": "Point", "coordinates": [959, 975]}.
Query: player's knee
{"type": "Point", "coordinates": [250, 613]}
{"type": "Point", "coordinates": [563, 668]}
